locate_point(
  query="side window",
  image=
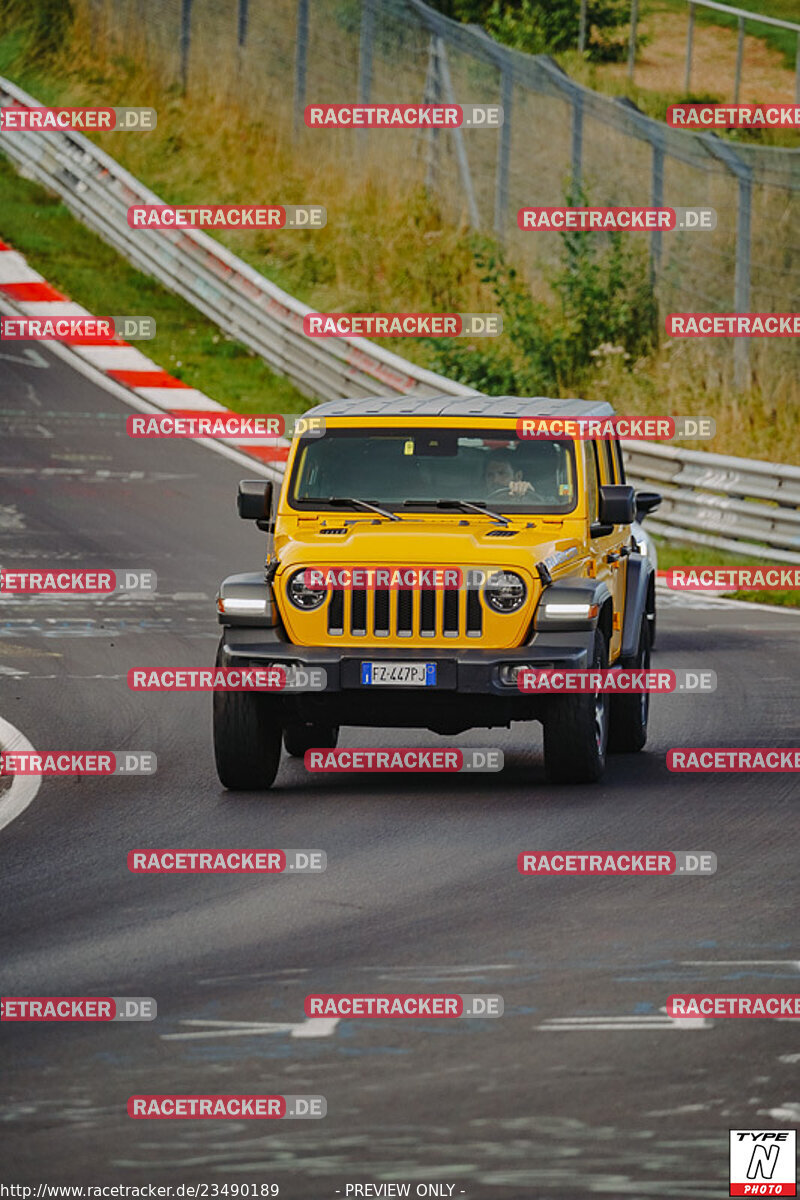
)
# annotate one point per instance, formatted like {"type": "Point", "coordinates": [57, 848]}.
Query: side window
{"type": "Point", "coordinates": [607, 469]}
{"type": "Point", "coordinates": [590, 452]}
{"type": "Point", "coordinates": [619, 460]}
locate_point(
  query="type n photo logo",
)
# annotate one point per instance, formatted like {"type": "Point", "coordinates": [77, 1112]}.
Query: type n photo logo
{"type": "Point", "coordinates": [763, 1162]}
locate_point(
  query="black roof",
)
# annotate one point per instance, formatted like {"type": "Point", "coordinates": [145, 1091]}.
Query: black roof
{"type": "Point", "coordinates": [461, 406]}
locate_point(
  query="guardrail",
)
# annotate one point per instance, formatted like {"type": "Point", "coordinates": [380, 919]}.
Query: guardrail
{"type": "Point", "coordinates": [213, 279]}
{"type": "Point", "coordinates": [736, 504]}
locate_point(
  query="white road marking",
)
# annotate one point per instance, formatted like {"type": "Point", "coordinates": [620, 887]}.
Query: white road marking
{"type": "Point", "coordinates": [253, 465]}
{"type": "Point", "coordinates": [789, 1112]}
{"type": "Point", "coordinates": [743, 962]}
{"type": "Point", "coordinates": [23, 787]}
{"type": "Point", "coordinates": [579, 1024]}
{"type": "Point", "coordinates": [30, 358]}
{"type": "Point", "coordinates": [312, 1027]}
{"type": "Point", "coordinates": [11, 519]}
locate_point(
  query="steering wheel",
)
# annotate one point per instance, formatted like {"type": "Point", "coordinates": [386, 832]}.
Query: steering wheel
{"type": "Point", "coordinates": [501, 491]}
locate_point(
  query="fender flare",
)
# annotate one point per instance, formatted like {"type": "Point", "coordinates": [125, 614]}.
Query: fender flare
{"type": "Point", "coordinates": [640, 577]}
{"type": "Point", "coordinates": [576, 590]}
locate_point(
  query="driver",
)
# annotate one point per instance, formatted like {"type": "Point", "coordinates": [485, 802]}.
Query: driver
{"type": "Point", "coordinates": [499, 475]}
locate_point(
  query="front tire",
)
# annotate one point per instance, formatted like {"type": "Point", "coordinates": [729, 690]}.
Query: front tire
{"type": "Point", "coordinates": [629, 714]}
{"type": "Point", "coordinates": [247, 739]}
{"type": "Point", "coordinates": [576, 730]}
{"type": "Point", "coordinates": [299, 738]}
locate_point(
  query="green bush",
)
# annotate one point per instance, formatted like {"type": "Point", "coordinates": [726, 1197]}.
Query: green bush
{"type": "Point", "coordinates": [547, 26]}
{"type": "Point", "coordinates": [604, 304]}
{"type": "Point", "coordinates": [44, 23]}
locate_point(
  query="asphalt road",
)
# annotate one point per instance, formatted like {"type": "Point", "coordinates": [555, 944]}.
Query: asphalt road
{"type": "Point", "coordinates": [421, 891]}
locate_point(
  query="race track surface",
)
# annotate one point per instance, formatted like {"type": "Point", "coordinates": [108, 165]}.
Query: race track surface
{"type": "Point", "coordinates": [421, 891]}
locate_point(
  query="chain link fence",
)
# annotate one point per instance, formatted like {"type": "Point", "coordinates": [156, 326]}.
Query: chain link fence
{"type": "Point", "coordinates": [276, 56]}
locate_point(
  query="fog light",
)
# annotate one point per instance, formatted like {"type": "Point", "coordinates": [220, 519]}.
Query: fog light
{"type": "Point", "coordinates": [509, 672]}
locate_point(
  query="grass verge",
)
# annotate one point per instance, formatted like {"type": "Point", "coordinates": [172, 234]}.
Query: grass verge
{"type": "Point", "coordinates": [671, 554]}
{"type": "Point", "coordinates": [387, 248]}
{"type": "Point", "coordinates": [80, 264]}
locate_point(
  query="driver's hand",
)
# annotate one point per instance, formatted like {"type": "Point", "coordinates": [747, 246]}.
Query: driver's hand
{"type": "Point", "coordinates": [520, 487]}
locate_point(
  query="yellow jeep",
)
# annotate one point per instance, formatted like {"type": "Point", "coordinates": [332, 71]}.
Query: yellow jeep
{"type": "Point", "coordinates": [422, 553]}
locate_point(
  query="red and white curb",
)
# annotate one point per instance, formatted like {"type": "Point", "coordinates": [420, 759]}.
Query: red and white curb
{"type": "Point", "coordinates": [32, 295]}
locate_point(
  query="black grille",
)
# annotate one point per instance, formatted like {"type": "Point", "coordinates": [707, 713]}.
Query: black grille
{"type": "Point", "coordinates": [358, 613]}
{"type": "Point", "coordinates": [336, 612]}
{"type": "Point", "coordinates": [381, 618]}
{"type": "Point", "coordinates": [404, 613]}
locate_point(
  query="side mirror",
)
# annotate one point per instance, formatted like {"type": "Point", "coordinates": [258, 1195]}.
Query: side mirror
{"type": "Point", "coordinates": [646, 502]}
{"type": "Point", "coordinates": [254, 502]}
{"type": "Point", "coordinates": [617, 504]}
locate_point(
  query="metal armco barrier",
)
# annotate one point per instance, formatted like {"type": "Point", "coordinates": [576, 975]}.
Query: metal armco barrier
{"type": "Point", "coordinates": [729, 503]}
{"type": "Point", "coordinates": [737, 504]}
{"type": "Point", "coordinates": [187, 261]}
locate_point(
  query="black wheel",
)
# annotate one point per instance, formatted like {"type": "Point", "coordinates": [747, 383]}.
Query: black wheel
{"type": "Point", "coordinates": [247, 739]}
{"type": "Point", "coordinates": [576, 730]}
{"type": "Point", "coordinates": [299, 738]}
{"type": "Point", "coordinates": [628, 715]}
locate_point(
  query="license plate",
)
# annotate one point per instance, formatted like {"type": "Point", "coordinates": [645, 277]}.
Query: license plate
{"type": "Point", "coordinates": [398, 674]}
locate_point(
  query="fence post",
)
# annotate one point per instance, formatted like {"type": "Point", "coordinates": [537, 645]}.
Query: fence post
{"type": "Point", "coordinates": [241, 24]}
{"type": "Point", "coordinates": [577, 144]}
{"type": "Point", "coordinates": [185, 41]}
{"type": "Point", "coordinates": [741, 346]}
{"type": "Point", "coordinates": [503, 152]}
{"type": "Point", "coordinates": [739, 55]}
{"type": "Point", "coordinates": [743, 174]}
{"type": "Point", "coordinates": [300, 65]}
{"type": "Point", "coordinates": [365, 47]}
{"type": "Point", "coordinates": [632, 37]}
{"type": "Point", "coordinates": [582, 28]}
{"type": "Point", "coordinates": [432, 94]}
{"type": "Point", "coordinates": [689, 39]}
{"type": "Point", "coordinates": [458, 139]}
{"type": "Point", "coordinates": [657, 185]}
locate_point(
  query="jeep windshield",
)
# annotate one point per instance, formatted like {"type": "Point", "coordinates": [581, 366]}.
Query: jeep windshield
{"type": "Point", "coordinates": [412, 469]}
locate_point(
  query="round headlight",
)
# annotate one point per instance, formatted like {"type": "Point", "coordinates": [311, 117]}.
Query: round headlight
{"type": "Point", "coordinates": [303, 596]}
{"type": "Point", "coordinates": [505, 592]}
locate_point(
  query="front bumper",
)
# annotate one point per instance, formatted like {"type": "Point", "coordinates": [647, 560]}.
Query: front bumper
{"type": "Point", "coordinates": [463, 670]}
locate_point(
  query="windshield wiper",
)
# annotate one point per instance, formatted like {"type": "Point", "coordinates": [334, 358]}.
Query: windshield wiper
{"type": "Point", "coordinates": [464, 505]}
{"type": "Point", "coordinates": [338, 501]}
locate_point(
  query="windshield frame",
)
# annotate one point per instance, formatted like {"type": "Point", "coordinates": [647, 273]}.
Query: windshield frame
{"type": "Point", "coordinates": [485, 432]}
